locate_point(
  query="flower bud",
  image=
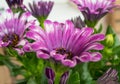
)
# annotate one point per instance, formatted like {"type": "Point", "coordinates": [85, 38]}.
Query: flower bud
{"type": "Point", "coordinates": [109, 40]}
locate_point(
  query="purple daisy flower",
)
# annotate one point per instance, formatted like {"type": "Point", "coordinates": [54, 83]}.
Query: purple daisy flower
{"type": "Point", "coordinates": [14, 3]}
{"type": "Point", "coordinates": [65, 43]}
{"type": "Point", "coordinates": [12, 28]}
{"type": "Point", "coordinates": [93, 10]}
{"type": "Point", "coordinates": [41, 9]}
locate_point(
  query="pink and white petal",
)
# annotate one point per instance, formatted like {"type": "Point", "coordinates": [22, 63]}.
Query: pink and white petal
{"type": "Point", "coordinates": [38, 31]}
{"type": "Point", "coordinates": [53, 29]}
{"type": "Point", "coordinates": [25, 16]}
{"type": "Point", "coordinates": [22, 42]}
{"type": "Point", "coordinates": [69, 63]}
{"type": "Point", "coordinates": [42, 55]}
{"type": "Point", "coordinates": [97, 37]}
{"type": "Point", "coordinates": [69, 24]}
{"type": "Point", "coordinates": [68, 30]}
{"type": "Point", "coordinates": [38, 45]}
{"type": "Point", "coordinates": [56, 56]}
{"type": "Point", "coordinates": [36, 28]}
{"type": "Point", "coordinates": [30, 23]}
{"type": "Point", "coordinates": [27, 47]}
{"type": "Point", "coordinates": [86, 31]}
{"type": "Point", "coordinates": [49, 26]}
{"type": "Point", "coordinates": [85, 57]}
{"type": "Point", "coordinates": [96, 57]}
{"type": "Point", "coordinates": [33, 35]}
{"type": "Point", "coordinates": [94, 46]}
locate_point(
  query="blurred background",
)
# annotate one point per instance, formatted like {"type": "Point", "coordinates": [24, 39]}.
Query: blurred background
{"type": "Point", "coordinates": [63, 10]}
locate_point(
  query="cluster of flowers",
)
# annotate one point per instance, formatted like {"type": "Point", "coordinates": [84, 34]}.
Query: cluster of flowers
{"type": "Point", "coordinates": [68, 43]}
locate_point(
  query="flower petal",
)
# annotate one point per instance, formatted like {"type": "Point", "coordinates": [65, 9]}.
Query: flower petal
{"type": "Point", "coordinates": [69, 63]}
{"type": "Point", "coordinates": [85, 57]}
{"type": "Point", "coordinates": [33, 35]}
{"type": "Point", "coordinates": [96, 56]}
{"type": "Point", "coordinates": [38, 45]}
{"type": "Point", "coordinates": [42, 55]}
{"type": "Point", "coordinates": [57, 56]}
{"type": "Point", "coordinates": [50, 74]}
{"type": "Point", "coordinates": [94, 46]}
{"type": "Point", "coordinates": [64, 77]}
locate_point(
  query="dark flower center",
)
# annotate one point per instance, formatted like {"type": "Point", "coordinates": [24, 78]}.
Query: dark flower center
{"type": "Point", "coordinates": [63, 51]}
{"type": "Point", "coordinates": [12, 38]}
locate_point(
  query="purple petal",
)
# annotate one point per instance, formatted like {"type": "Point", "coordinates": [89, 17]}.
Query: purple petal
{"type": "Point", "coordinates": [69, 63]}
{"type": "Point", "coordinates": [94, 46]}
{"type": "Point", "coordinates": [96, 56]}
{"type": "Point", "coordinates": [97, 37]}
{"type": "Point", "coordinates": [27, 47]}
{"type": "Point", "coordinates": [33, 35]}
{"type": "Point", "coordinates": [64, 77]}
{"type": "Point", "coordinates": [24, 16]}
{"type": "Point", "coordinates": [38, 45]}
{"type": "Point", "coordinates": [30, 23]}
{"type": "Point", "coordinates": [50, 81]}
{"type": "Point", "coordinates": [85, 57]}
{"type": "Point", "coordinates": [53, 29]}
{"type": "Point", "coordinates": [42, 55]}
{"type": "Point", "coordinates": [81, 39]}
{"type": "Point", "coordinates": [57, 56]}
{"type": "Point", "coordinates": [68, 30]}
{"type": "Point", "coordinates": [50, 74]}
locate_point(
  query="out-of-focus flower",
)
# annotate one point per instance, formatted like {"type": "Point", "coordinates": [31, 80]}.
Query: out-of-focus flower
{"type": "Point", "coordinates": [65, 43]}
{"type": "Point", "coordinates": [110, 77]}
{"type": "Point", "coordinates": [94, 10]}
{"type": "Point", "coordinates": [50, 74]}
{"type": "Point", "coordinates": [12, 28]}
{"type": "Point", "coordinates": [41, 9]}
{"type": "Point", "coordinates": [78, 23]}
{"type": "Point", "coordinates": [15, 3]}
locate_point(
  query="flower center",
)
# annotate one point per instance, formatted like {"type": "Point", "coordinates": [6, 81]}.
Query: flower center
{"type": "Point", "coordinates": [13, 39]}
{"type": "Point", "coordinates": [63, 51]}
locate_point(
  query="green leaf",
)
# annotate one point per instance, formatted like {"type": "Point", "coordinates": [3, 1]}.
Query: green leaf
{"type": "Point", "coordinates": [116, 50]}
{"type": "Point", "coordinates": [85, 76]}
{"type": "Point", "coordinates": [74, 78]}
{"type": "Point", "coordinates": [31, 81]}
{"type": "Point", "coordinates": [109, 30]}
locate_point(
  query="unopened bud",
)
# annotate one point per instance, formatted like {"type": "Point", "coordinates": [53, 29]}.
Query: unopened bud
{"type": "Point", "coordinates": [109, 40]}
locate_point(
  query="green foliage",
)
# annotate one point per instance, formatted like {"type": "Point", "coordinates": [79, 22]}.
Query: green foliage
{"type": "Point", "coordinates": [111, 56]}
{"type": "Point", "coordinates": [74, 78]}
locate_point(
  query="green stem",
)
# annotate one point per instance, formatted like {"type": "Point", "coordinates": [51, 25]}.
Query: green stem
{"type": "Point", "coordinates": [41, 21]}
